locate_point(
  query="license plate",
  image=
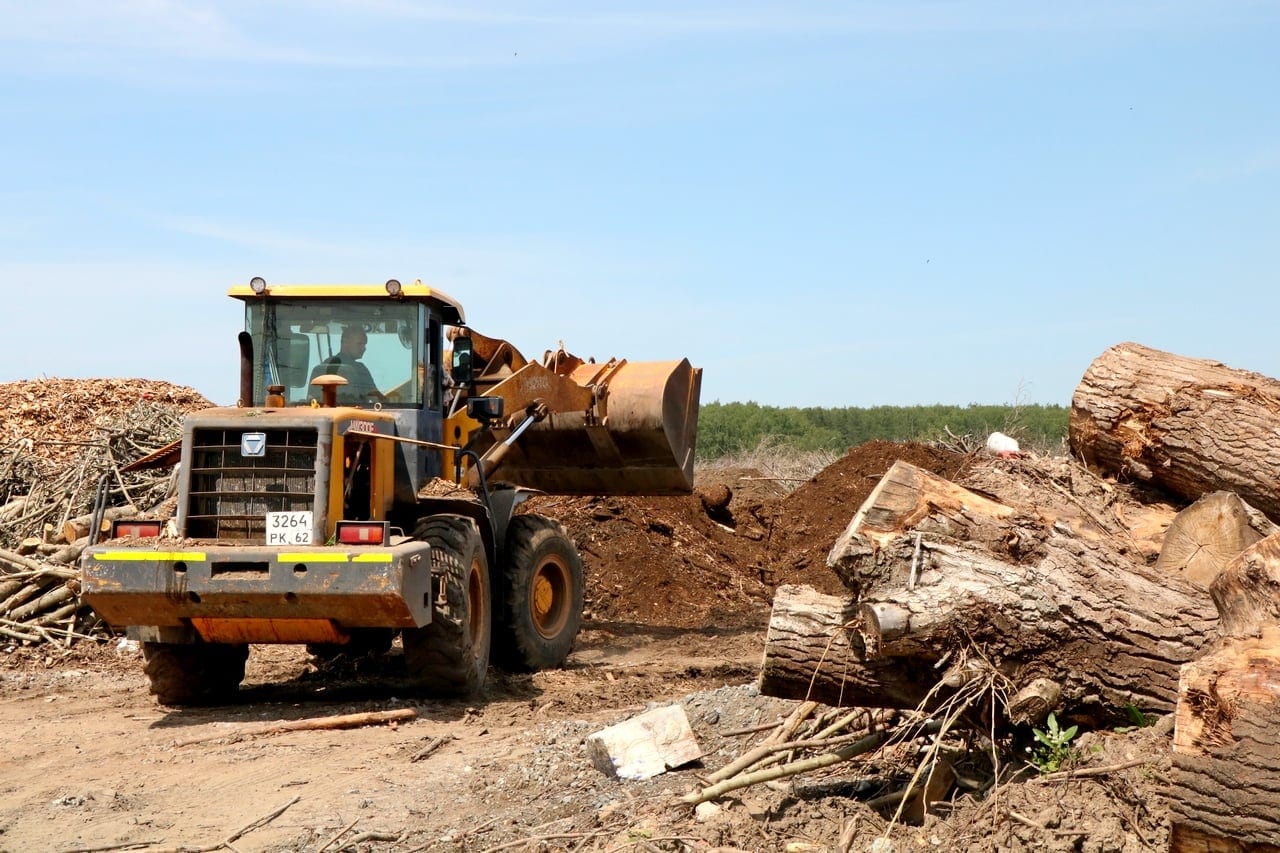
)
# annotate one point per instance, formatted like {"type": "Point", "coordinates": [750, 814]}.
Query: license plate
{"type": "Point", "coordinates": [289, 528]}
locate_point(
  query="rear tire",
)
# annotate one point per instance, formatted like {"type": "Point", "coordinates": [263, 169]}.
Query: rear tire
{"type": "Point", "coordinates": [542, 596]}
{"type": "Point", "coordinates": [450, 654]}
{"type": "Point", "coordinates": [194, 673]}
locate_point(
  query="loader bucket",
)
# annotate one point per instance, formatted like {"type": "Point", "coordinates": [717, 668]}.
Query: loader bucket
{"type": "Point", "coordinates": [643, 444]}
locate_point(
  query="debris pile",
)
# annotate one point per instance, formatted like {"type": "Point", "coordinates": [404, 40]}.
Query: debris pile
{"type": "Point", "coordinates": [64, 443]}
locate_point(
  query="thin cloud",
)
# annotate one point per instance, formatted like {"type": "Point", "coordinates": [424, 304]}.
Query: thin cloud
{"type": "Point", "coordinates": [401, 33]}
{"type": "Point", "coordinates": [1254, 164]}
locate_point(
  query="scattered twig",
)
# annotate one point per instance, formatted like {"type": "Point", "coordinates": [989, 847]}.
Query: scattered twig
{"type": "Point", "coordinates": [126, 845]}
{"type": "Point", "coordinates": [335, 838]}
{"type": "Point", "coordinates": [373, 835]}
{"type": "Point", "coordinates": [864, 745]}
{"type": "Point", "coordinates": [432, 745]}
{"type": "Point", "coordinates": [1091, 772]}
{"type": "Point", "coordinates": [539, 839]}
{"type": "Point", "coordinates": [229, 841]}
{"type": "Point", "coordinates": [750, 730]}
{"type": "Point", "coordinates": [342, 721]}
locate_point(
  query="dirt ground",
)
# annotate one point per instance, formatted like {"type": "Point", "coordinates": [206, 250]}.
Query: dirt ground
{"type": "Point", "coordinates": [677, 602]}
{"type": "Point", "coordinates": [89, 761]}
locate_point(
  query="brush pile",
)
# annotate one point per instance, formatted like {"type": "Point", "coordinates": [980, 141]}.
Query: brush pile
{"type": "Point", "coordinates": [63, 445]}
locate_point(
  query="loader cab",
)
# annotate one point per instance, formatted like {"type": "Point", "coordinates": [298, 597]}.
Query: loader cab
{"type": "Point", "coordinates": [390, 337]}
{"type": "Point", "coordinates": [297, 340]}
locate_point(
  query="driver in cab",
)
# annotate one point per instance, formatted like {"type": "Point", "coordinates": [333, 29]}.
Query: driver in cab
{"type": "Point", "coordinates": [346, 363]}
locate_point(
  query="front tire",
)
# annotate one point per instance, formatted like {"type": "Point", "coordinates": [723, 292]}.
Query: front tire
{"type": "Point", "coordinates": [450, 654]}
{"type": "Point", "coordinates": [542, 596]}
{"type": "Point", "coordinates": [194, 673]}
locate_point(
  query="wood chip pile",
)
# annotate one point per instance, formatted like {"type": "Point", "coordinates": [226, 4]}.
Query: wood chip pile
{"type": "Point", "coordinates": [62, 445]}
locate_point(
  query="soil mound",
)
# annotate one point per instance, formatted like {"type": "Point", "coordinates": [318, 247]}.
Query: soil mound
{"type": "Point", "coordinates": [807, 522]}
{"type": "Point", "coordinates": [686, 562]}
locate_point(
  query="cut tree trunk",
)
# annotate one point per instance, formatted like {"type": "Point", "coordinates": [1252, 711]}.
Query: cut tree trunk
{"type": "Point", "coordinates": [812, 651]}
{"type": "Point", "coordinates": [943, 573]}
{"type": "Point", "coordinates": [1190, 426]}
{"type": "Point", "coordinates": [1207, 535]}
{"type": "Point", "coordinates": [1225, 796]}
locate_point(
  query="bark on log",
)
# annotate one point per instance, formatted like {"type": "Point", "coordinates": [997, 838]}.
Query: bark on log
{"type": "Point", "coordinates": [1225, 796]}
{"type": "Point", "coordinates": [1207, 535]}
{"type": "Point", "coordinates": [1188, 425]}
{"type": "Point", "coordinates": [1039, 601]}
{"type": "Point", "coordinates": [811, 652]}
{"type": "Point", "coordinates": [46, 601]}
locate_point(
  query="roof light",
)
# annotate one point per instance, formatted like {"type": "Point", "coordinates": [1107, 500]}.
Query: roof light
{"type": "Point", "coordinates": [393, 287]}
{"type": "Point", "coordinates": [258, 284]}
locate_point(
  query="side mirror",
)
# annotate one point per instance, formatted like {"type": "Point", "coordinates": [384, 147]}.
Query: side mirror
{"type": "Point", "coordinates": [461, 369]}
{"type": "Point", "coordinates": [484, 409]}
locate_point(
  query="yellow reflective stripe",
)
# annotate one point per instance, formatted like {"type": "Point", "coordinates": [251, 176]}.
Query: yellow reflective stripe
{"type": "Point", "coordinates": [150, 556]}
{"type": "Point", "coordinates": [313, 557]}
{"type": "Point", "coordinates": [381, 557]}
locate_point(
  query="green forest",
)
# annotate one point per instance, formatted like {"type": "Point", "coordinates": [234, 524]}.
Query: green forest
{"type": "Point", "coordinates": [729, 428]}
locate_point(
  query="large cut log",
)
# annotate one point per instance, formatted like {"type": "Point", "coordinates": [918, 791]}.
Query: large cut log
{"type": "Point", "coordinates": [1034, 598]}
{"type": "Point", "coordinates": [1187, 425]}
{"type": "Point", "coordinates": [1207, 535]}
{"type": "Point", "coordinates": [1226, 749]}
{"type": "Point", "coordinates": [813, 652]}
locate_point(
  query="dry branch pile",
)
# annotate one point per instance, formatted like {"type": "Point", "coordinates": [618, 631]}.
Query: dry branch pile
{"type": "Point", "coordinates": [64, 445]}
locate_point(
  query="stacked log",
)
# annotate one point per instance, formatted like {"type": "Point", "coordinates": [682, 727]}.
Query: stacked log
{"type": "Point", "coordinates": [1075, 616]}
{"type": "Point", "coordinates": [1186, 425]}
{"type": "Point", "coordinates": [938, 574]}
{"type": "Point", "coordinates": [38, 601]}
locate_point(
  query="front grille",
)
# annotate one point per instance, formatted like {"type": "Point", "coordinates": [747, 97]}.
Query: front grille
{"type": "Point", "coordinates": [231, 494]}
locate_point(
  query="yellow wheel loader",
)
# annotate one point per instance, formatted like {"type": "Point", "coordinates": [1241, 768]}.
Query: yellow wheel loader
{"type": "Point", "coordinates": [367, 484]}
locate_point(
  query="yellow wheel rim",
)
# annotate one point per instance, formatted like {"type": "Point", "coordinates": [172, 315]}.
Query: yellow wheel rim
{"type": "Point", "coordinates": [549, 596]}
{"type": "Point", "coordinates": [476, 601]}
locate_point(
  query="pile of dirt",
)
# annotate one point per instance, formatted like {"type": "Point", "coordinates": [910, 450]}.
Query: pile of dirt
{"type": "Point", "coordinates": [807, 522]}
{"type": "Point", "coordinates": [693, 562]}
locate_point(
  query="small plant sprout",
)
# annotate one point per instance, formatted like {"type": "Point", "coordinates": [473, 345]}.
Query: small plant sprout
{"type": "Point", "coordinates": [1053, 745]}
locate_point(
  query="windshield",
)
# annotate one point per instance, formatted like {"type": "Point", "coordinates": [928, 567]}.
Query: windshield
{"type": "Point", "coordinates": [374, 345]}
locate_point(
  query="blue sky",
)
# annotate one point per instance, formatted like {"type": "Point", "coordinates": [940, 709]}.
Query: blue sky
{"type": "Point", "coordinates": [830, 204]}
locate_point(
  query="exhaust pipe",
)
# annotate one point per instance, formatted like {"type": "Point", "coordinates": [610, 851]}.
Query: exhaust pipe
{"type": "Point", "coordinates": [246, 370]}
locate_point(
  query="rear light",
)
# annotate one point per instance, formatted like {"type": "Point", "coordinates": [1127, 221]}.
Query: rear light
{"type": "Point", "coordinates": [143, 529]}
{"type": "Point", "coordinates": [362, 532]}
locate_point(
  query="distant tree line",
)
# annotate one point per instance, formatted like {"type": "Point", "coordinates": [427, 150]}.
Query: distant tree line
{"type": "Point", "coordinates": [728, 428]}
